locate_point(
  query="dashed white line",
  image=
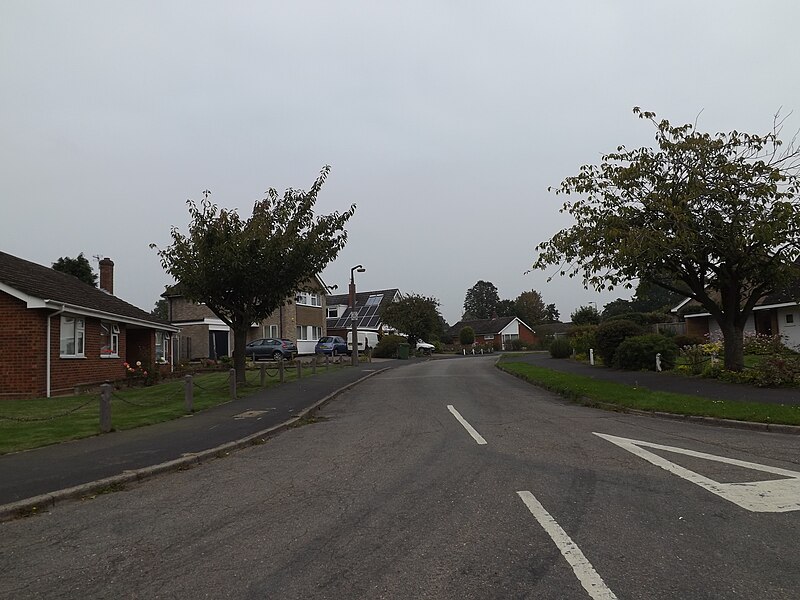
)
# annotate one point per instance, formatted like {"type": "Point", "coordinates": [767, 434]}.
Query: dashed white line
{"type": "Point", "coordinates": [470, 429]}
{"type": "Point", "coordinates": [584, 571]}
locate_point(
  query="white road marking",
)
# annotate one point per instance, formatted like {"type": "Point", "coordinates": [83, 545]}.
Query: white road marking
{"type": "Point", "coordinates": [583, 569]}
{"type": "Point", "coordinates": [470, 429]}
{"type": "Point", "coordinates": [776, 495]}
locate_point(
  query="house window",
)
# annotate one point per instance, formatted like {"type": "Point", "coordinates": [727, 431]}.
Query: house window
{"type": "Point", "coordinates": [308, 299]}
{"type": "Point", "coordinates": [271, 331]}
{"type": "Point", "coordinates": [333, 312]}
{"type": "Point", "coordinates": [162, 344]}
{"type": "Point", "coordinates": [72, 337]}
{"type": "Point", "coordinates": [308, 333]}
{"type": "Point", "coordinates": [488, 337]}
{"type": "Point", "coordinates": [109, 339]}
{"type": "Point", "coordinates": [374, 300]}
{"type": "Point", "coordinates": [790, 318]}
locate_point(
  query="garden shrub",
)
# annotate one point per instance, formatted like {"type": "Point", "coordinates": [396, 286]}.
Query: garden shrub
{"type": "Point", "coordinates": [639, 352]}
{"type": "Point", "coordinates": [763, 344]}
{"type": "Point", "coordinates": [682, 340]}
{"type": "Point", "coordinates": [387, 346]}
{"type": "Point", "coordinates": [776, 370]}
{"type": "Point", "coordinates": [695, 358]}
{"type": "Point", "coordinates": [560, 348]}
{"type": "Point", "coordinates": [610, 334]}
{"type": "Point", "coordinates": [642, 319]}
{"type": "Point", "coordinates": [466, 336]}
{"type": "Point", "coordinates": [583, 338]}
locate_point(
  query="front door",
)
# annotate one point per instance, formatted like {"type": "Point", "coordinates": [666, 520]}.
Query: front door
{"type": "Point", "coordinates": [217, 344]}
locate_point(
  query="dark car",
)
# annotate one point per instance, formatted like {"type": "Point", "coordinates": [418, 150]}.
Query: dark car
{"type": "Point", "coordinates": [332, 344]}
{"type": "Point", "coordinates": [270, 348]}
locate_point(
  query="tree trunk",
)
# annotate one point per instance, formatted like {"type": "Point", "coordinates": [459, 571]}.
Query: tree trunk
{"type": "Point", "coordinates": [239, 342]}
{"type": "Point", "coordinates": [733, 345]}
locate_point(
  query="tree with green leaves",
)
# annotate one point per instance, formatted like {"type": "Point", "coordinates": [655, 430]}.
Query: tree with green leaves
{"type": "Point", "coordinates": [506, 308]}
{"type": "Point", "coordinates": [713, 217]}
{"type": "Point", "coordinates": [244, 269]}
{"type": "Point", "coordinates": [585, 315]}
{"type": "Point", "coordinates": [551, 314]}
{"type": "Point", "coordinates": [530, 307]}
{"type": "Point", "coordinates": [77, 267]}
{"type": "Point", "coordinates": [481, 300]}
{"type": "Point", "coordinates": [466, 336]}
{"type": "Point", "coordinates": [161, 309]}
{"type": "Point", "coordinates": [415, 315]}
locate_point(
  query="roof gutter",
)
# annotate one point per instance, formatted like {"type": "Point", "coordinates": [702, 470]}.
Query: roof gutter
{"type": "Point", "coordinates": [49, 345]}
{"type": "Point", "coordinates": [89, 312]}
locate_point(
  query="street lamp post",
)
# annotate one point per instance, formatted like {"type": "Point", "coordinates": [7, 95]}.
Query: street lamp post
{"type": "Point", "coordinates": [354, 314]}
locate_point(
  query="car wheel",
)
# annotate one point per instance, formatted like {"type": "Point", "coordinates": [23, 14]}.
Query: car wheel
{"type": "Point", "coordinates": [277, 355]}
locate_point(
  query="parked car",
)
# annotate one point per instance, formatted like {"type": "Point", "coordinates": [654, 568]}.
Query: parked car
{"type": "Point", "coordinates": [425, 347]}
{"type": "Point", "coordinates": [270, 348]}
{"type": "Point", "coordinates": [332, 345]}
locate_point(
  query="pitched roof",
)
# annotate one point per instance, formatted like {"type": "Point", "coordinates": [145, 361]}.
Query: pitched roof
{"type": "Point", "coordinates": [483, 326]}
{"type": "Point", "coordinates": [369, 306]}
{"type": "Point", "coordinates": [52, 288]}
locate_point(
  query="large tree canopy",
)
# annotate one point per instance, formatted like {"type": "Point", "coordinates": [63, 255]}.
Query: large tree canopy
{"type": "Point", "coordinates": [78, 267]}
{"type": "Point", "coordinates": [416, 316]}
{"type": "Point", "coordinates": [530, 307]}
{"type": "Point", "coordinates": [243, 270]}
{"type": "Point", "coordinates": [481, 300]}
{"type": "Point", "coordinates": [713, 217]}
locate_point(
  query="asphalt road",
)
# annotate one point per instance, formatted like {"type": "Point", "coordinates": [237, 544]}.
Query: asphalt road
{"type": "Point", "coordinates": [444, 479]}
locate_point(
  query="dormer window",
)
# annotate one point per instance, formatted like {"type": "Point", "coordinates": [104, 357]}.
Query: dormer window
{"type": "Point", "coordinates": [308, 299]}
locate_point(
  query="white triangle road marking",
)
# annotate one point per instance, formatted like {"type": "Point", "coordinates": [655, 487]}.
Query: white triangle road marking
{"type": "Point", "coordinates": [776, 495]}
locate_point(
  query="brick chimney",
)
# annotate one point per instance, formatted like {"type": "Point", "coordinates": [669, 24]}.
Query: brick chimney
{"type": "Point", "coordinates": [107, 275]}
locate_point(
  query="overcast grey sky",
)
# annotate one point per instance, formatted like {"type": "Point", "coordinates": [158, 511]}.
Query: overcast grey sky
{"type": "Point", "coordinates": [445, 122]}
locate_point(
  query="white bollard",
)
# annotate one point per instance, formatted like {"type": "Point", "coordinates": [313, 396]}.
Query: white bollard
{"type": "Point", "coordinates": [658, 362]}
{"type": "Point", "coordinates": [591, 356]}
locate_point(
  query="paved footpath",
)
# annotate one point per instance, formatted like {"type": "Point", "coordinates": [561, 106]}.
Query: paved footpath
{"type": "Point", "coordinates": [79, 467]}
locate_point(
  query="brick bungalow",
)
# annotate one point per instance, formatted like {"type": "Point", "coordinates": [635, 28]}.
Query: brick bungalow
{"type": "Point", "coordinates": [58, 333]}
{"type": "Point", "coordinates": [497, 332]}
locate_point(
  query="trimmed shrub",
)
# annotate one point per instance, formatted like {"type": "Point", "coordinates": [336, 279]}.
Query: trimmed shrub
{"type": "Point", "coordinates": [639, 352]}
{"type": "Point", "coordinates": [682, 340]}
{"type": "Point", "coordinates": [777, 371]}
{"type": "Point", "coordinates": [387, 346]}
{"type": "Point", "coordinates": [583, 338]}
{"type": "Point", "coordinates": [560, 348]}
{"type": "Point", "coordinates": [466, 336]}
{"type": "Point", "coordinates": [763, 344]}
{"type": "Point", "coordinates": [610, 334]}
{"type": "Point", "coordinates": [641, 319]}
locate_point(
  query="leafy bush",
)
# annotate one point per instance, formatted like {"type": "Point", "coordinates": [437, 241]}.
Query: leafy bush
{"type": "Point", "coordinates": [641, 319]}
{"type": "Point", "coordinates": [762, 344]}
{"type": "Point", "coordinates": [682, 340]}
{"type": "Point", "coordinates": [610, 334]}
{"type": "Point", "coordinates": [695, 357]}
{"type": "Point", "coordinates": [466, 336]}
{"type": "Point", "coordinates": [387, 346]}
{"type": "Point", "coordinates": [639, 352]}
{"type": "Point", "coordinates": [583, 338]}
{"type": "Point", "coordinates": [777, 370]}
{"type": "Point", "coordinates": [560, 348]}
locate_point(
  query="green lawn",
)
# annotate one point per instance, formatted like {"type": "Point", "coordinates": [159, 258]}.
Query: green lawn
{"type": "Point", "coordinates": [594, 392]}
{"type": "Point", "coordinates": [31, 423]}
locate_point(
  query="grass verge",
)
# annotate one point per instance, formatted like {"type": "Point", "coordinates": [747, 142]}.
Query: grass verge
{"type": "Point", "coordinates": [603, 393]}
{"type": "Point", "coordinates": [35, 422]}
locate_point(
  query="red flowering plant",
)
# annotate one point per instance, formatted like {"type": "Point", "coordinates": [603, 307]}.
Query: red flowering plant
{"type": "Point", "coordinates": [138, 374]}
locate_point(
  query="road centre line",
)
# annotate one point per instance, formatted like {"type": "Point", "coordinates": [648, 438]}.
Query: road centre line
{"type": "Point", "coordinates": [583, 569]}
{"type": "Point", "coordinates": [470, 429]}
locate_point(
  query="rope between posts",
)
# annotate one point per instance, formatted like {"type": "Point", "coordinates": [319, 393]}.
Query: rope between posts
{"type": "Point", "coordinates": [50, 418]}
{"type": "Point", "coordinates": [140, 405]}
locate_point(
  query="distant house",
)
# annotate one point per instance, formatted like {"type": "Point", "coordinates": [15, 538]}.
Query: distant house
{"type": "Point", "coordinates": [498, 332]}
{"type": "Point", "coordinates": [204, 335]}
{"type": "Point", "coordinates": [369, 307]}
{"type": "Point", "coordinates": [58, 333]}
{"type": "Point", "coordinates": [776, 314]}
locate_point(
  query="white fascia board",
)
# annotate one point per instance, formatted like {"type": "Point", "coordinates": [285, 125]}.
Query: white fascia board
{"type": "Point", "coordinates": [30, 301]}
{"type": "Point", "coordinates": [680, 306]}
{"type": "Point", "coordinates": [705, 314]}
{"type": "Point", "coordinates": [99, 314]}
{"type": "Point", "coordinates": [781, 305]}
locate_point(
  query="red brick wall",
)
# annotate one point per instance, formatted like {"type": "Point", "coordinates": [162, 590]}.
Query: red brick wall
{"type": "Point", "coordinates": [22, 348]}
{"type": "Point", "coordinates": [23, 358]}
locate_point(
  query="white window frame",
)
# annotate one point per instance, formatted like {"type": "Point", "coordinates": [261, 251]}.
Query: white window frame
{"type": "Point", "coordinates": [788, 320]}
{"type": "Point", "coordinates": [271, 331]}
{"type": "Point", "coordinates": [333, 312]}
{"type": "Point", "coordinates": [308, 299]}
{"type": "Point", "coordinates": [162, 356]}
{"type": "Point", "coordinates": [113, 339]}
{"type": "Point", "coordinates": [308, 333]}
{"type": "Point", "coordinates": [73, 330]}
